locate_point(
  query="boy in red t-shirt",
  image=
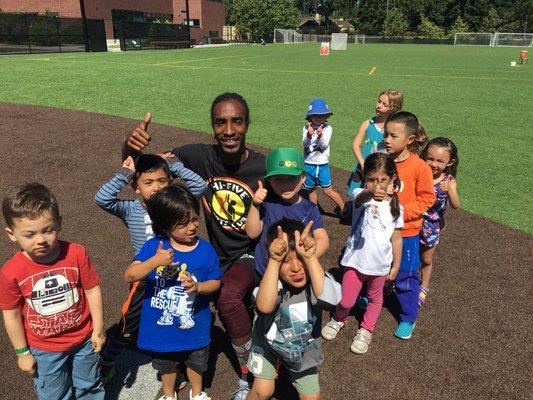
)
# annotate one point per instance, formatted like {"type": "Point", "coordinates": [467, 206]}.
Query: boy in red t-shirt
{"type": "Point", "coordinates": [51, 300]}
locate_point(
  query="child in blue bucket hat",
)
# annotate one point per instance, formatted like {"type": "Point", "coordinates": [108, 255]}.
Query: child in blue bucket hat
{"type": "Point", "coordinates": [316, 135]}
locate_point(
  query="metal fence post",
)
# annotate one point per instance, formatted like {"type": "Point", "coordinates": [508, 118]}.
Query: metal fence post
{"type": "Point", "coordinates": [27, 32]}
{"type": "Point", "coordinates": [58, 36]}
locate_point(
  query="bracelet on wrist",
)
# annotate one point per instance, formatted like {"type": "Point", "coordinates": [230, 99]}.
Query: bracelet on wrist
{"type": "Point", "coordinates": [22, 351]}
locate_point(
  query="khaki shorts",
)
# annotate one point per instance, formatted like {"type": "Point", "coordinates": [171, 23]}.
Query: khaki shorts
{"type": "Point", "coordinates": [262, 364]}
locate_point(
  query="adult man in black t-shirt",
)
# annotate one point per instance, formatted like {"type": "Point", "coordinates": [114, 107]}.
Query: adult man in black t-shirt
{"type": "Point", "coordinates": [231, 172]}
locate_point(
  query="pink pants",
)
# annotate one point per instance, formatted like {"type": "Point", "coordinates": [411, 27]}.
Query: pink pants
{"type": "Point", "coordinates": [352, 281]}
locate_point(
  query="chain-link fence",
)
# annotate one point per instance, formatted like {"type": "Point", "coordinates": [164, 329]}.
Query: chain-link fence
{"type": "Point", "coordinates": [140, 36]}
{"type": "Point", "coordinates": [30, 33]}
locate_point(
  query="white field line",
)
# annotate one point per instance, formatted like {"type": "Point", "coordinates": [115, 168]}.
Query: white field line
{"type": "Point", "coordinates": [288, 71]}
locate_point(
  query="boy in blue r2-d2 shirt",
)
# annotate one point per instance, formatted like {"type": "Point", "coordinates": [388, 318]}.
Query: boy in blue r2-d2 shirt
{"type": "Point", "coordinates": [181, 271]}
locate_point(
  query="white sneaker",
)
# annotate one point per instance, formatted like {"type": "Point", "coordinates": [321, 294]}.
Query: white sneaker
{"type": "Point", "coordinates": [199, 396]}
{"type": "Point", "coordinates": [329, 332]}
{"type": "Point", "coordinates": [361, 341]}
{"type": "Point", "coordinates": [242, 392]}
{"type": "Point", "coordinates": [168, 397]}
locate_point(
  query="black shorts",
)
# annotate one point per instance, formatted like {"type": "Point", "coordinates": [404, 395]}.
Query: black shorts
{"type": "Point", "coordinates": [196, 360]}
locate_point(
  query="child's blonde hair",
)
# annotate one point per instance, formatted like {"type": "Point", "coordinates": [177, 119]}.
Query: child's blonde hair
{"type": "Point", "coordinates": [395, 99]}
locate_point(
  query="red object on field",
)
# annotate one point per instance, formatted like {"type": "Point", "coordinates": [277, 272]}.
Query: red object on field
{"type": "Point", "coordinates": [324, 49]}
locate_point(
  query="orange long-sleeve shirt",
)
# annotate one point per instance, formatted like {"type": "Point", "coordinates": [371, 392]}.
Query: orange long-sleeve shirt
{"type": "Point", "coordinates": [416, 192]}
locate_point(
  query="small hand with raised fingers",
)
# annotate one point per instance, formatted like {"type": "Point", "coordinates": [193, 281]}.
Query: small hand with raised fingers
{"type": "Point", "coordinates": [279, 248]}
{"type": "Point", "coordinates": [139, 138]}
{"type": "Point", "coordinates": [304, 243]}
{"type": "Point", "coordinates": [164, 257]}
{"type": "Point", "coordinates": [27, 363]}
{"type": "Point", "coordinates": [375, 188]}
{"type": "Point", "coordinates": [320, 130]}
{"type": "Point", "coordinates": [310, 130]}
{"type": "Point", "coordinates": [260, 194]}
{"type": "Point", "coordinates": [98, 340]}
{"type": "Point", "coordinates": [189, 284]}
{"type": "Point", "coordinates": [129, 163]}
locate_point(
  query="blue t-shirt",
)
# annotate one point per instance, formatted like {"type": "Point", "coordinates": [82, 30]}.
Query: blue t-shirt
{"type": "Point", "coordinates": [271, 212]}
{"type": "Point", "coordinates": [172, 320]}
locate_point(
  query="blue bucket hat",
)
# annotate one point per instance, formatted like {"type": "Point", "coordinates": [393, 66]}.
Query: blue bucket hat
{"type": "Point", "coordinates": [318, 107]}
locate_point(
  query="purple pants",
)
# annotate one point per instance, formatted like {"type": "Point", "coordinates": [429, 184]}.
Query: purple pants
{"type": "Point", "coordinates": [234, 300]}
{"type": "Point", "coordinates": [352, 281]}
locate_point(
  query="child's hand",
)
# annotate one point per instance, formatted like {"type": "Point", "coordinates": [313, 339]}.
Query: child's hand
{"type": "Point", "coordinates": [447, 185]}
{"type": "Point", "coordinates": [392, 274]}
{"type": "Point", "coordinates": [279, 248]}
{"type": "Point", "coordinates": [260, 194]}
{"type": "Point", "coordinates": [189, 284]}
{"type": "Point", "coordinates": [378, 193]}
{"type": "Point", "coordinates": [304, 243]}
{"type": "Point", "coordinates": [310, 130]}
{"type": "Point", "coordinates": [129, 164]}
{"type": "Point", "coordinates": [27, 363]}
{"type": "Point", "coordinates": [320, 130]}
{"type": "Point", "coordinates": [162, 256]}
{"type": "Point", "coordinates": [98, 340]}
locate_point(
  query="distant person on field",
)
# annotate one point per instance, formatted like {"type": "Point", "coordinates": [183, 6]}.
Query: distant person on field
{"type": "Point", "coordinates": [369, 137]}
{"type": "Point", "coordinates": [51, 300]}
{"type": "Point", "coordinates": [316, 136]}
{"type": "Point", "coordinates": [147, 174]}
{"type": "Point", "coordinates": [279, 197]}
{"type": "Point", "coordinates": [374, 248]}
{"type": "Point", "coordinates": [181, 272]}
{"type": "Point", "coordinates": [403, 138]}
{"type": "Point", "coordinates": [441, 156]}
{"type": "Point", "coordinates": [287, 327]}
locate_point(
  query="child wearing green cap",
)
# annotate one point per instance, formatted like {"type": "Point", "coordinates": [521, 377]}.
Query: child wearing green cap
{"type": "Point", "coordinates": [279, 197]}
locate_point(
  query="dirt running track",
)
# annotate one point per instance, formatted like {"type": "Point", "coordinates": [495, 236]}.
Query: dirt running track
{"type": "Point", "coordinates": [473, 341]}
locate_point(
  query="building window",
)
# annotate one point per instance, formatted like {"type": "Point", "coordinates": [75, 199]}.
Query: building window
{"type": "Point", "coordinates": [192, 22]}
{"type": "Point", "coordinates": [213, 34]}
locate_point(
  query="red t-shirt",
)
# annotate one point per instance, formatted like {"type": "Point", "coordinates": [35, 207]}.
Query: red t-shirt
{"type": "Point", "coordinates": [55, 312]}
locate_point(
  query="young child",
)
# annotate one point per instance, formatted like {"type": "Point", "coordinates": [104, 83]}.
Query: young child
{"type": "Point", "coordinates": [374, 244]}
{"type": "Point", "coordinates": [403, 138]}
{"type": "Point", "coordinates": [369, 137]}
{"type": "Point", "coordinates": [441, 156]}
{"type": "Point", "coordinates": [287, 327]}
{"type": "Point", "coordinates": [316, 136]}
{"type": "Point", "coordinates": [280, 198]}
{"type": "Point", "coordinates": [51, 300]}
{"type": "Point", "coordinates": [181, 271]}
{"type": "Point", "coordinates": [147, 175]}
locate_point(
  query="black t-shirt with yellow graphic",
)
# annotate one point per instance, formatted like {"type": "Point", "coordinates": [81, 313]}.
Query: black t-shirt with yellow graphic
{"type": "Point", "coordinates": [228, 197]}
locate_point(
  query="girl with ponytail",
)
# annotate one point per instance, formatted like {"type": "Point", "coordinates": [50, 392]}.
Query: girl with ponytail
{"type": "Point", "coordinates": [374, 245]}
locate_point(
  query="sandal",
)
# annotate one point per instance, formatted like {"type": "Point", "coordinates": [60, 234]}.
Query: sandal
{"type": "Point", "coordinates": [423, 296]}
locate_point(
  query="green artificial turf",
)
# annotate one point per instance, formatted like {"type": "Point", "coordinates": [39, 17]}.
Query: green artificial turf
{"type": "Point", "coordinates": [470, 94]}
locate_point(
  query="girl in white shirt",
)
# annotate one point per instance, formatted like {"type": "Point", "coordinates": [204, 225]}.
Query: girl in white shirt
{"type": "Point", "coordinates": [374, 244]}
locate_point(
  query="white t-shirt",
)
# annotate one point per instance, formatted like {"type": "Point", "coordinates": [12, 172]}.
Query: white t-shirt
{"type": "Point", "coordinates": [316, 149]}
{"type": "Point", "coordinates": [369, 249]}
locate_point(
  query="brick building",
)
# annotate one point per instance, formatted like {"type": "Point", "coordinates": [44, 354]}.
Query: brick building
{"type": "Point", "coordinates": [206, 17]}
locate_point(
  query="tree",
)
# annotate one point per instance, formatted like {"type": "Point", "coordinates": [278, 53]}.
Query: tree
{"type": "Point", "coordinates": [491, 22]}
{"type": "Point", "coordinates": [428, 30]}
{"type": "Point", "coordinates": [257, 19]}
{"type": "Point", "coordinates": [395, 24]}
{"type": "Point", "coordinates": [458, 26]}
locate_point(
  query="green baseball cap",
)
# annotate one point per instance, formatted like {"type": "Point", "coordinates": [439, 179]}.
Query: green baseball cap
{"type": "Point", "coordinates": [284, 161]}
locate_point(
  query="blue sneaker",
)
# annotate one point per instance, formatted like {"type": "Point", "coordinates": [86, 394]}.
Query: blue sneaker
{"type": "Point", "coordinates": [404, 330]}
{"type": "Point", "coordinates": [362, 302]}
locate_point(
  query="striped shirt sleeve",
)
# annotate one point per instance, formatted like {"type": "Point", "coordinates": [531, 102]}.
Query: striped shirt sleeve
{"type": "Point", "coordinates": [106, 197]}
{"type": "Point", "coordinates": [192, 180]}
